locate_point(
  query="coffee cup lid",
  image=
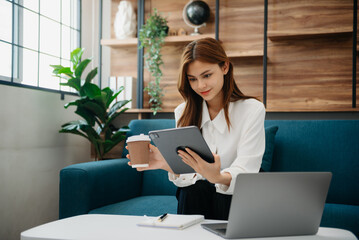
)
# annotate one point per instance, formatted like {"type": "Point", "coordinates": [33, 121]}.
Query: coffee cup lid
{"type": "Point", "coordinates": [141, 137]}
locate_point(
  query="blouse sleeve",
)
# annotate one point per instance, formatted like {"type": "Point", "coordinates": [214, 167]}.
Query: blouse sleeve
{"type": "Point", "coordinates": [250, 150]}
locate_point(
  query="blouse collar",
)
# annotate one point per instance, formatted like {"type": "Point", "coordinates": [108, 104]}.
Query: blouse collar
{"type": "Point", "coordinates": [219, 122]}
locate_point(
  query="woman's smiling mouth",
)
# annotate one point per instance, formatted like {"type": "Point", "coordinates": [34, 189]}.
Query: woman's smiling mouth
{"type": "Point", "coordinates": [205, 92]}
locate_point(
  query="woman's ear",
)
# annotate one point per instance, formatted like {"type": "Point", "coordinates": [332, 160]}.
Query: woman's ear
{"type": "Point", "coordinates": [225, 67]}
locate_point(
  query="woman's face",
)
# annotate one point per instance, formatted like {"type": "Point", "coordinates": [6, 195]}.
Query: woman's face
{"type": "Point", "coordinates": [206, 79]}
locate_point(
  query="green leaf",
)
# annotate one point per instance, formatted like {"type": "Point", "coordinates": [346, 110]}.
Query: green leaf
{"type": "Point", "coordinates": [107, 95]}
{"type": "Point", "coordinates": [66, 70]}
{"type": "Point", "coordinates": [96, 109]}
{"type": "Point", "coordinates": [90, 90]}
{"type": "Point", "coordinates": [91, 75]}
{"type": "Point", "coordinates": [87, 115]}
{"type": "Point", "coordinates": [77, 123]}
{"type": "Point", "coordinates": [56, 68]}
{"type": "Point", "coordinates": [73, 103]}
{"type": "Point", "coordinates": [94, 138]}
{"type": "Point", "coordinates": [74, 83]}
{"type": "Point", "coordinates": [116, 106]}
{"type": "Point", "coordinates": [101, 99]}
{"type": "Point", "coordinates": [113, 116]}
{"type": "Point", "coordinates": [75, 57]}
{"type": "Point", "coordinates": [115, 95]}
{"type": "Point", "coordinates": [73, 127]}
{"type": "Point", "coordinates": [81, 67]}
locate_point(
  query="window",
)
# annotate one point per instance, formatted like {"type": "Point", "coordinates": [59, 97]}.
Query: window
{"type": "Point", "coordinates": [35, 34]}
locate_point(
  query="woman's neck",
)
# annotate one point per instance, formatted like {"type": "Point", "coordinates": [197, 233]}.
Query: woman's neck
{"type": "Point", "coordinates": [214, 107]}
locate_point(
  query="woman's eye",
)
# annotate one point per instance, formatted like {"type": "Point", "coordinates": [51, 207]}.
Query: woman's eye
{"type": "Point", "coordinates": [191, 79]}
{"type": "Point", "coordinates": [207, 75]}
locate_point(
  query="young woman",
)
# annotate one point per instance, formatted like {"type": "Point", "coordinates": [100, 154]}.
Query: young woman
{"type": "Point", "coordinates": [231, 123]}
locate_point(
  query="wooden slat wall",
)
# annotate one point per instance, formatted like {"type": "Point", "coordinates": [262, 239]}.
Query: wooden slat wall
{"type": "Point", "coordinates": [241, 29]}
{"type": "Point", "coordinates": [312, 74]}
{"type": "Point", "coordinates": [304, 74]}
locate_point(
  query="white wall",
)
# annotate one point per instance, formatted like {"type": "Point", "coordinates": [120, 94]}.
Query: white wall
{"type": "Point", "coordinates": [32, 152]}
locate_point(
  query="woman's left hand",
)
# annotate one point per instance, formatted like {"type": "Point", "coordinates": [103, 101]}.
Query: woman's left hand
{"type": "Point", "coordinates": [210, 171]}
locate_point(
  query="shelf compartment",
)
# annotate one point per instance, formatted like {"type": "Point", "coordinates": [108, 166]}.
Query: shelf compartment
{"type": "Point", "coordinates": [170, 39]}
{"type": "Point", "coordinates": [119, 42]}
{"type": "Point", "coordinates": [247, 53]}
{"type": "Point", "coordinates": [186, 38]}
{"type": "Point", "coordinates": [276, 35]}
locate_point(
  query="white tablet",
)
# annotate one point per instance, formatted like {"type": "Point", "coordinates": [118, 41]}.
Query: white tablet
{"type": "Point", "coordinates": [169, 141]}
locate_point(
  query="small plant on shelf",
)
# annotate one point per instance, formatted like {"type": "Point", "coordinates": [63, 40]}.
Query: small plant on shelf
{"type": "Point", "coordinates": [94, 105]}
{"type": "Point", "coordinates": [151, 36]}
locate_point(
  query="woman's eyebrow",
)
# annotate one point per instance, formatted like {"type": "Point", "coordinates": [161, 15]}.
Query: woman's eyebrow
{"type": "Point", "coordinates": [204, 73]}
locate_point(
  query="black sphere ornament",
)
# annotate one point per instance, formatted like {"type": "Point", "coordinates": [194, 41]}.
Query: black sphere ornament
{"type": "Point", "coordinates": [197, 12]}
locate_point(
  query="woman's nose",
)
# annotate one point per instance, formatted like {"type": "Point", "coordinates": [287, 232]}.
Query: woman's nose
{"type": "Point", "coordinates": [201, 84]}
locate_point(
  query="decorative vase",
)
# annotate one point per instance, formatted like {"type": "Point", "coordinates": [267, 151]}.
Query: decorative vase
{"type": "Point", "coordinates": [125, 21]}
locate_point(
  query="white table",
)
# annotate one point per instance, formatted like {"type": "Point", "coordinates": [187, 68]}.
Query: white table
{"type": "Point", "coordinates": [108, 227]}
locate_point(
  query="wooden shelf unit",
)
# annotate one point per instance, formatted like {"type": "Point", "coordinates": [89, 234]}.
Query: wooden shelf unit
{"type": "Point", "coordinates": [249, 53]}
{"type": "Point", "coordinates": [119, 42]}
{"type": "Point", "coordinates": [318, 48]}
{"type": "Point", "coordinates": [133, 41]}
{"type": "Point", "coordinates": [276, 35]}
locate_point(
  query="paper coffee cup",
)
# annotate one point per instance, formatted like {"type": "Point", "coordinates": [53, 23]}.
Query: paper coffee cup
{"type": "Point", "coordinates": [139, 150]}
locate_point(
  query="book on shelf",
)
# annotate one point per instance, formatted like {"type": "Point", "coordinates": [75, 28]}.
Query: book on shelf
{"type": "Point", "coordinates": [129, 92]}
{"type": "Point", "coordinates": [113, 87]}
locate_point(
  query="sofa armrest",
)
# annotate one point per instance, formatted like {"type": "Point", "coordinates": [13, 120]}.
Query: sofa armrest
{"type": "Point", "coordinates": [90, 185]}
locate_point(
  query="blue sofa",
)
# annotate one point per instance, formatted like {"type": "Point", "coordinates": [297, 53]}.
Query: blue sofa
{"type": "Point", "coordinates": [112, 187]}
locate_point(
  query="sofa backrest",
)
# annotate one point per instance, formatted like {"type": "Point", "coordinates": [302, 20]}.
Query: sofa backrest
{"type": "Point", "coordinates": [321, 145]}
{"type": "Point", "coordinates": [154, 182]}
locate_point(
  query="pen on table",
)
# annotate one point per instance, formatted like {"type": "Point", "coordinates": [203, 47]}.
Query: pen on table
{"type": "Point", "coordinates": [161, 218]}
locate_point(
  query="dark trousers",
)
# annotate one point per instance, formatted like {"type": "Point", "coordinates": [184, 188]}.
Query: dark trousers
{"type": "Point", "coordinates": [202, 198]}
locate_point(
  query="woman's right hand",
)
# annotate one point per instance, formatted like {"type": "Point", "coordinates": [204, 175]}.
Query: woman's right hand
{"type": "Point", "coordinates": [156, 160]}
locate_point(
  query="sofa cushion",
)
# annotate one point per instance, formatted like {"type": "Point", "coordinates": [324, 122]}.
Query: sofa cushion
{"type": "Point", "coordinates": [270, 143]}
{"type": "Point", "coordinates": [154, 182]}
{"type": "Point", "coordinates": [321, 145]}
{"type": "Point", "coordinates": [341, 216]}
{"type": "Point", "coordinates": [139, 206]}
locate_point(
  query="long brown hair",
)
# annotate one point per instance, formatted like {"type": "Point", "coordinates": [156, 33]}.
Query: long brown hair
{"type": "Point", "coordinates": [205, 50]}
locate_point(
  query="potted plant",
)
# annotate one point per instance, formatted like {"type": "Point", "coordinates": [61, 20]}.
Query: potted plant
{"type": "Point", "coordinates": [151, 36]}
{"type": "Point", "coordinates": [94, 105]}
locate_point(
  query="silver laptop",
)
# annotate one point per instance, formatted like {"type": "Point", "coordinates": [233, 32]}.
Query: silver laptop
{"type": "Point", "coordinates": [275, 204]}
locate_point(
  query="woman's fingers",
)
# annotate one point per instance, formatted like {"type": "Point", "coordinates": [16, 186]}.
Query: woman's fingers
{"type": "Point", "coordinates": [188, 159]}
{"type": "Point", "coordinates": [193, 154]}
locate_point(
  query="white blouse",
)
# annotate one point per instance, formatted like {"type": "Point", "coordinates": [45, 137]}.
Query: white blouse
{"type": "Point", "coordinates": [240, 149]}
